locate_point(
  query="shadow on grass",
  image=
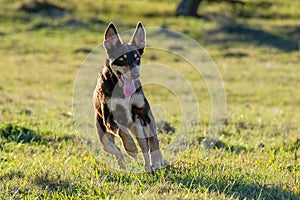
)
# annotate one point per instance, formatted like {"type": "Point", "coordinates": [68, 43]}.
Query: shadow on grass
{"type": "Point", "coordinates": [237, 32]}
{"type": "Point", "coordinates": [11, 132]}
{"type": "Point", "coordinates": [11, 175]}
{"type": "Point", "coordinates": [43, 8]}
{"type": "Point", "coordinates": [173, 177]}
{"type": "Point", "coordinates": [237, 189]}
{"type": "Point", "coordinates": [48, 15]}
{"type": "Point", "coordinates": [230, 187]}
{"type": "Point", "coordinates": [14, 133]}
{"type": "Point", "coordinates": [53, 183]}
{"type": "Point", "coordinates": [218, 144]}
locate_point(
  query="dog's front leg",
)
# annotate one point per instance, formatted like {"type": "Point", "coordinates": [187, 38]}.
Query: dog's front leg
{"type": "Point", "coordinates": [121, 131]}
{"type": "Point", "coordinates": [128, 141]}
{"type": "Point", "coordinates": [156, 158]}
{"type": "Point", "coordinates": [138, 130]}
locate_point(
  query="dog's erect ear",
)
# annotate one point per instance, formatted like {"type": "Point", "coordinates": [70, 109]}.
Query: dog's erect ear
{"type": "Point", "coordinates": [111, 37]}
{"type": "Point", "coordinates": [139, 38]}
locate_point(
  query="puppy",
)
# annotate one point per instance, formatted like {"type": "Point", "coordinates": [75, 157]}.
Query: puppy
{"type": "Point", "coordinates": [120, 105]}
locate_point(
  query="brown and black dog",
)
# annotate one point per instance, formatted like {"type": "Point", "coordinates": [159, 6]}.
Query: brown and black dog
{"type": "Point", "coordinates": [120, 104]}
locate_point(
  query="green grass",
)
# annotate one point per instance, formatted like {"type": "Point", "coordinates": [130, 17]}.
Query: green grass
{"type": "Point", "coordinates": [257, 53]}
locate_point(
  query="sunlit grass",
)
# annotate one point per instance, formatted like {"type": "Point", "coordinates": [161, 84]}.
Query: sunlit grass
{"type": "Point", "coordinates": [257, 155]}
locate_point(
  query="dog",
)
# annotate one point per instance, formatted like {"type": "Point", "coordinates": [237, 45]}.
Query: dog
{"type": "Point", "coordinates": [120, 104]}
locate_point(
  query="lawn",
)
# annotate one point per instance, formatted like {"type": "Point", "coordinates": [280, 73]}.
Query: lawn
{"type": "Point", "coordinates": [255, 49]}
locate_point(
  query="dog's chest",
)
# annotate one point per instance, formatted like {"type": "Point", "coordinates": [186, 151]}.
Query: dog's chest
{"type": "Point", "coordinates": [121, 107]}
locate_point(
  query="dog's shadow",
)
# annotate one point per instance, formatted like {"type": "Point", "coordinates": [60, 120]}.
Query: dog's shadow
{"type": "Point", "coordinates": [173, 176]}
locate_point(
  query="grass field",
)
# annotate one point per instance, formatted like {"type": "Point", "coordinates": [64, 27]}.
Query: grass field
{"type": "Point", "coordinates": [256, 50]}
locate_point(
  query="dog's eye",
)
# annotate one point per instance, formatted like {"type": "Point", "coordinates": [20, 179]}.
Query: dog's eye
{"type": "Point", "coordinates": [124, 57]}
{"type": "Point", "coordinates": [136, 56]}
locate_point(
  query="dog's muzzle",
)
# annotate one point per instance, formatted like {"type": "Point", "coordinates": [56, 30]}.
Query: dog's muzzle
{"type": "Point", "coordinates": [125, 72]}
{"type": "Point", "coordinates": [135, 73]}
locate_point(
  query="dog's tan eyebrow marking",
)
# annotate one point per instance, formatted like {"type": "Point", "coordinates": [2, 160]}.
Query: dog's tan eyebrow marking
{"type": "Point", "coordinates": [121, 59]}
{"type": "Point", "coordinates": [125, 56]}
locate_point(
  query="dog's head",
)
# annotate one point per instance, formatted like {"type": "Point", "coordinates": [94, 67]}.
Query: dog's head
{"type": "Point", "coordinates": [125, 58]}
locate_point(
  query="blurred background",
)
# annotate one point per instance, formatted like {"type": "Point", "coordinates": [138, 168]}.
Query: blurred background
{"type": "Point", "coordinates": [43, 40]}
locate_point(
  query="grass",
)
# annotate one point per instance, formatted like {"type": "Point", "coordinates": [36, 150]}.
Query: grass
{"type": "Point", "coordinates": [257, 155]}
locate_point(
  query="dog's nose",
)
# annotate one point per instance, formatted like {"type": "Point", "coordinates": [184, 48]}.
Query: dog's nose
{"type": "Point", "coordinates": [135, 75]}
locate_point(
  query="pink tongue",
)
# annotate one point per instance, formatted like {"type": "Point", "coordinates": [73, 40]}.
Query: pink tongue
{"type": "Point", "coordinates": [128, 88]}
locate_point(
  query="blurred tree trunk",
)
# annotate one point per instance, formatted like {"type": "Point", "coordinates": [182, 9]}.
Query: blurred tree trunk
{"type": "Point", "coordinates": [188, 7]}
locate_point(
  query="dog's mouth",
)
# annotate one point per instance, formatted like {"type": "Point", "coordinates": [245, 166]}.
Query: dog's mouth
{"type": "Point", "coordinates": [128, 84]}
{"type": "Point", "coordinates": [119, 75]}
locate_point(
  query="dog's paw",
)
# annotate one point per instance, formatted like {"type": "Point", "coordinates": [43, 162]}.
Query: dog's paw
{"type": "Point", "coordinates": [157, 161]}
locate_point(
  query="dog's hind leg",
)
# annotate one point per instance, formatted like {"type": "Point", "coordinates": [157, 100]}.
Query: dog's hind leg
{"type": "Point", "coordinates": [128, 141]}
{"type": "Point", "coordinates": [110, 147]}
{"type": "Point", "coordinates": [108, 141]}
